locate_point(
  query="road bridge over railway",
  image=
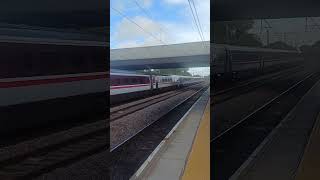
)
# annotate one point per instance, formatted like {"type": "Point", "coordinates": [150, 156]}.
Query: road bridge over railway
{"type": "Point", "coordinates": [194, 54]}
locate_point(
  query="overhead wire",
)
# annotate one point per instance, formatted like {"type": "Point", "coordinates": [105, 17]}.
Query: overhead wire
{"type": "Point", "coordinates": [316, 24]}
{"type": "Point", "coordinates": [198, 18]}
{"type": "Point", "coordinates": [194, 18]}
{"type": "Point", "coordinates": [197, 22]}
{"type": "Point", "coordinates": [146, 12]}
{"type": "Point", "coordinates": [143, 29]}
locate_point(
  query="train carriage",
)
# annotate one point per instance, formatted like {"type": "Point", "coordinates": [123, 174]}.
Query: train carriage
{"type": "Point", "coordinates": [229, 59]}
{"type": "Point", "coordinates": [123, 82]}
{"type": "Point", "coordinates": [46, 80]}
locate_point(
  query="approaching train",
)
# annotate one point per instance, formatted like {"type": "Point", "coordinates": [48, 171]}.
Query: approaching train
{"type": "Point", "coordinates": [126, 82]}
{"type": "Point", "coordinates": [47, 78]}
{"type": "Point", "coordinates": [228, 59]}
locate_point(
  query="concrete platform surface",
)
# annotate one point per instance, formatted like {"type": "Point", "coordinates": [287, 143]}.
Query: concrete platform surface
{"type": "Point", "coordinates": [279, 155]}
{"type": "Point", "coordinates": [169, 159]}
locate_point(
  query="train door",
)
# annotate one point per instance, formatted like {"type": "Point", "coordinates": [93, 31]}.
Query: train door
{"type": "Point", "coordinates": [157, 84]}
{"type": "Point", "coordinates": [228, 63]}
{"type": "Point", "coordinates": [152, 82]}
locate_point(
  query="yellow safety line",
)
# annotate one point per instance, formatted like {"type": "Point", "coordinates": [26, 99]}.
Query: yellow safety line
{"type": "Point", "coordinates": [198, 165]}
{"type": "Point", "coordinates": [309, 167]}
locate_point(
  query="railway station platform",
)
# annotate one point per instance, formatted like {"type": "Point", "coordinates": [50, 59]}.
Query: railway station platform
{"type": "Point", "coordinates": [291, 150]}
{"type": "Point", "coordinates": [185, 151]}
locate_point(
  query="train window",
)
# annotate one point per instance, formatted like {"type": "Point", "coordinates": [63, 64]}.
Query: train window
{"type": "Point", "coordinates": [38, 59]}
{"type": "Point", "coordinates": [134, 80]}
{"type": "Point", "coordinates": [141, 80]}
{"type": "Point", "coordinates": [27, 59]}
{"type": "Point", "coordinates": [146, 80]}
{"type": "Point", "coordinates": [115, 81]}
{"type": "Point", "coordinates": [125, 81]}
{"type": "Point", "coordinates": [112, 82]}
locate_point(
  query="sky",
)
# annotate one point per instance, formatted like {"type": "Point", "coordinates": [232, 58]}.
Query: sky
{"type": "Point", "coordinates": [169, 21]}
{"type": "Point", "coordinates": [291, 30]}
{"type": "Point", "coordinates": [157, 22]}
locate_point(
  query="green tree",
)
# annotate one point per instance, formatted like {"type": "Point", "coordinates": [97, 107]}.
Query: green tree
{"type": "Point", "coordinates": [316, 45]}
{"type": "Point", "coordinates": [235, 33]}
{"type": "Point", "coordinates": [176, 71]}
{"type": "Point", "coordinates": [305, 48]}
{"type": "Point", "coordinates": [315, 48]}
{"type": "Point", "coordinates": [280, 45]}
{"type": "Point", "coordinates": [311, 52]}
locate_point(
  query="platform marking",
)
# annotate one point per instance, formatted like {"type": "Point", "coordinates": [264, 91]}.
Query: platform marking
{"type": "Point", "coordinates": [198, 164]}
{"type": "Point", "coordinates": [309, 167]}
{"type": "Point", "coordinates": [147, 163]}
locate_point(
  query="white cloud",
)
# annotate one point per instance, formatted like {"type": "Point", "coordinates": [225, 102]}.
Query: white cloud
{"type": "Point", "coordinates": [146, 3]}
{"type": "Point", "coordinates": [127, 44]}
{"type": "Point", "coordinates": [128, 34]}
{"type": "Point", "coordinates": [130, 5]}
{"type": "Point", "coordinates": [203, 11]}
{"type": "Point", "coordinates": [127, 30]}
{"type": "Point", "coordinates": [203, 8]}
{"type": "Point", "coordinates": [119, 5]}
{"type": "Point", "coordinates": [202, 71]}
{"type": "Point", "coordinates": [168, 32]}
{"type": "Point", "coordinates": [176, 1]}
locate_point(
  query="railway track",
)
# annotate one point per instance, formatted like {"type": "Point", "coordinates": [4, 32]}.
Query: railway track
{"type": "Point", "coordinates": [38, 156]}
{"type": "Point", "coordinates": [34, 157]}
{"type": "Point", "coordinates": [234, 145]}
{"type": "Point", "coordinates": [224, 95]}
{"type": "Point", "coordinates": [123, 110]}
{"type": "Point", "coordinates": [197, 88]}
{"type": "Point", "coordinates": [129, 155]}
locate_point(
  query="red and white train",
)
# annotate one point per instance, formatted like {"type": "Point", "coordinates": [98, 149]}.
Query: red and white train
{"type": "Point", "coordinates": [47, 80]}
{"type": "Point", "coordinates": [122, 82]}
